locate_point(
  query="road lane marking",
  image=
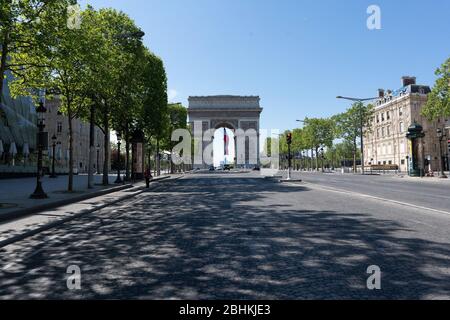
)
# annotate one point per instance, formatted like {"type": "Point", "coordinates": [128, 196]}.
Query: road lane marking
{"type": "Point", "coordinates": [346, 192]}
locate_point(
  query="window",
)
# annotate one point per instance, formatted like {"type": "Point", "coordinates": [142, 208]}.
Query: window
{"type": "Point", "coordinates": [388, 115]}
{"type": "Point", "coordinates": [402, 127]}
{"type": "Point", "coordinates": [400, 111]}
{"type": "Point", "coordinates": [382, 116]}
{"type": "Point", "coordinates": [388, 129]}
{"type": "Point", "coordinates": [59, 127]}
{"type": "Point", "coordinates": [378, 133]}
{"type": "Point", "coordinates": [382, 132]}
{"type": "Point", "coordinates": [378, 118]}
{"type": "Point", "coordinates": [403, 162]}
{"type": "Point", "coordinates": [390, 162]}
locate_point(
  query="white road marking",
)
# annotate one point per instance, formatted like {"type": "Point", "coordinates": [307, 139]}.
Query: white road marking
{"type": "Point", "coordinates": [346, 192]}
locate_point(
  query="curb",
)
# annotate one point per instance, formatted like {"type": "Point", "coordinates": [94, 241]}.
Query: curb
{"type": "Point", "coordinates": [138, 190]}
{"type": "Point", "coordinates": [59, 222]}
{"type": "Point", "coordinates": [16, 214]}
{"type": "Point", "coordinates": [21, 213]}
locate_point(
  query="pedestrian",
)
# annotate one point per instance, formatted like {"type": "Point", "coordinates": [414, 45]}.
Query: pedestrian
{"type": "Point", "coordinates": [148, 177]}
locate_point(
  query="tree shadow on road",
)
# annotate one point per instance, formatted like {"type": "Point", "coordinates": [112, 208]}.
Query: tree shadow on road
{"type": "Point", "coordinates": [226, 239]}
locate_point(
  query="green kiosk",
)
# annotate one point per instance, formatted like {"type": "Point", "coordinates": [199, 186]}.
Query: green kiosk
{"type": "Point", "coordinates": [415, 135]}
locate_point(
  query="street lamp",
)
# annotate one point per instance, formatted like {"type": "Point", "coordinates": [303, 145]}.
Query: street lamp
{"type": "Point", "coordinates": [98, 157]}
{"type": "Point", "coordinates": [39, 191]}
{"type": "Point", "coordinates": [361, 125]}
{"type": "Point", "coordinates": [441, 135]}
{"type": "Point", "coordinates": [54, 138]}
{"type": "Point", "coordinates": [119, 140]}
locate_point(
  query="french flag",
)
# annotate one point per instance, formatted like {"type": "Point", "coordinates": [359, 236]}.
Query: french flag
{"type": "Point", "coordinates": [226, 142]}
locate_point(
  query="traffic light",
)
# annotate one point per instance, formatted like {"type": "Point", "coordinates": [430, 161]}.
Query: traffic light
{"type": "Point", "coordinates": [289, 138]}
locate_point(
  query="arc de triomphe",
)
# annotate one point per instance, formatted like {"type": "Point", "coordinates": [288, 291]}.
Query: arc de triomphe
{"type": "Point", "coordinates": [237, 113]}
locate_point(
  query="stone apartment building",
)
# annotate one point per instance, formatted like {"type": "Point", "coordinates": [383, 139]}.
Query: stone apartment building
{"type": "Point", "coordinates": [57, 124]}
{"type": "Point", "coordinates": [395, 111]}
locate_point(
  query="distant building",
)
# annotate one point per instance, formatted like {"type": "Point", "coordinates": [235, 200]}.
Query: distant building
{"type": "Point", "coordinates": [395, 112]}
{"type": "Point", "coordinates": [18, 131]}
{"type": "Point", "coordinates": [58, 124]}
{"type": "Point", "coordinates": [17, 123]}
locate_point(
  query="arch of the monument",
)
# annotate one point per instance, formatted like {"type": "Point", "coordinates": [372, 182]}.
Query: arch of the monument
{"type": "Point", "coordinates": [237, 113]}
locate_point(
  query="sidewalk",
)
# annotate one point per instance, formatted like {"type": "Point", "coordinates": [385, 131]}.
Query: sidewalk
{"type": "Point", "coordinates": [12, 231]}
{"type": "Point", "coordinates": [434, 179]}
{"type": "Point", "coordinates": [15, 193]}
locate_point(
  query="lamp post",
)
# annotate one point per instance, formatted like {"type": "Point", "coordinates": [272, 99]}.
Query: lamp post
{"type": "Point", "coordinates": [322, 152]}
{"type": "Point", "coordinates": [361, 124]}
{"type": "Point", "coordinates": [54, 138]}
{"type": "Point", "coordinates": [119, 140]}
{"type": "Point", "coordinates": [441, 135]}
{"type": "Point", "coordinates": [98, 158]}
{"type": "Point", "coordinates": [39, 191]}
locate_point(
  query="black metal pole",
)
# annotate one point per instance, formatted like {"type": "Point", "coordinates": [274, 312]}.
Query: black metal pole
{"type": "Point", "coordinates": [39, 191]}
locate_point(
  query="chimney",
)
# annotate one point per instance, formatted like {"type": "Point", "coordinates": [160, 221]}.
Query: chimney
{"type": "Point", "coordinates": [380, 93]}
{"type": "Point", "coordinates": [407, 80]}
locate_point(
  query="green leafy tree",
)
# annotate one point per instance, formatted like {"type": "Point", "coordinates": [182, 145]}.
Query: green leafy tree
{"type": "Point", "coordinates": [155, 114]}
{"type": "Point", "coordinates": [353, 125]}
{"type": "Point", "coordinates": [27, 26]}
{"type": "Point", "coordinates": [438, 104]}
{"type": "Point", "coordinates": [62, 70]}
{"type": "Point", "coordinates": [115, 81]}
{"type": "Point", "coordinates": [319, 133]}
{"type": "Point", "coordinates": [178, 120]}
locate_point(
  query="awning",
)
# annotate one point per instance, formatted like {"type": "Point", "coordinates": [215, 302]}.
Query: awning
{"type": "Point", "coordinates": [26, 150]}
{"type": "Point", "coordinates": [13, 149]}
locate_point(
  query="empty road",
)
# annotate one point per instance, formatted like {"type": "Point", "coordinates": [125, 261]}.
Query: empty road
{"type": "Point", "coordinates": [240, 236]}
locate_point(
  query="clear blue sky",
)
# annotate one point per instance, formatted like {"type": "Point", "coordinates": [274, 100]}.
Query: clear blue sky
{"type": "Point", "coordinates": [297, 55]}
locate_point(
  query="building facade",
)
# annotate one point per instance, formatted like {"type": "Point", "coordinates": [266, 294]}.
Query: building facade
{"type": "Point", "coordinates": [57, 124]}
{"type": "Point", "coordinates": [395, 111]}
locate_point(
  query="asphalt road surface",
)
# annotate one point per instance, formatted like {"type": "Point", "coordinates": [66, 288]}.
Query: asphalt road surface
{"type": "Point", "coordinates": [242, 237]}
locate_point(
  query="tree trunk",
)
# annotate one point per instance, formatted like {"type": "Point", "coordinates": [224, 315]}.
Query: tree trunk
{"type": "Point", "coordinates": [69, 114]}
{"type": "Point", "coordinates": [317, 159]}
{"type": "Point", "coordinates": [127, 150]}
{"type": "Point", "coordinates": [158, 159]}
{"type": "Point", "coordinates": [149, 155]}
{"type": "Point", "coordinates": [106, 150]}
{"type": "Point", "coordinates": [91, 148]}
{"type": "Point", "coordinates": [4, 59]}
{"type": "Point", "coordinates": [355, 148]}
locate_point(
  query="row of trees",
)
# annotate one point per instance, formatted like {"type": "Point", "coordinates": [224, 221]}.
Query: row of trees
{"type": "Point", "coordinates": [95, 62]}
{"type": "Point", "coordinates": [318, 136]}
{"type": "Point", "coordinates": [315, 141]}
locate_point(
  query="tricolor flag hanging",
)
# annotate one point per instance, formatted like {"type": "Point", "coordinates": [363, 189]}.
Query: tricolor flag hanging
{"type": "Point", "coordinates": [226, 142]}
